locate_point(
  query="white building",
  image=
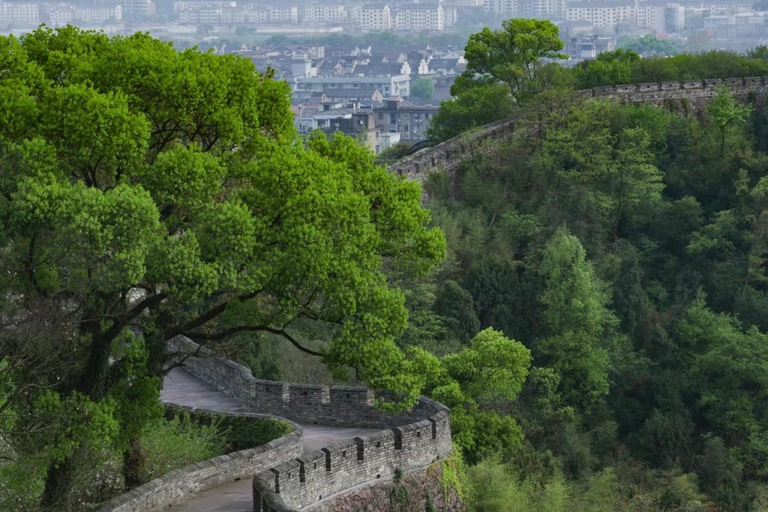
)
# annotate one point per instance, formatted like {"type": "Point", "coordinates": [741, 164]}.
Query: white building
{"type": "Point", "coordinates": [602, 14]}
{"type": "Point", "coordinates": [398, 85]}
{"type": "Point", "coordinates": [59, 15]}
{"type": "Point", "coordinates": [20, 15]}
{"type": "Point", "coordinates": [375, 17]}
{"type": "Point", "coordinates": [419, 17]}
{"type": "Point", "coordinates": [317, 14]}
{"type": "Point", "coordinates": [283, 14]}
{"type": "Point", "coordinates": [132, 9]}
{"type": "Point", "coordinates": [194, 6]}
{"type": "Point", "coordinates": [97, 15]}
{"type": "Point", "coordinates": [652, 16]}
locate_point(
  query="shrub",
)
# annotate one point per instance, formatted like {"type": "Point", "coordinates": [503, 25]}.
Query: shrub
{"type": "Point", "coordinates": [173, 443]}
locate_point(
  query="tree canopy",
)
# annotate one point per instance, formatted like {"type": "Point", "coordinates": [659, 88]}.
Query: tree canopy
{"type": "Point", "coordinates": [147, 193]}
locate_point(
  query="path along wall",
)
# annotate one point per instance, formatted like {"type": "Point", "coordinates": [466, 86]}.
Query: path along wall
{"type": "Point", "coordinates": [409, 443]}
{"type": "Point", "coordinates": [447, 155]}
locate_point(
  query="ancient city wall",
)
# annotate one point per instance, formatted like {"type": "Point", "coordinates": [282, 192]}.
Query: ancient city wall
{"type": "Point", "coordinates": [450, 153]}
{"type": "Point", "coordinates": [178, 485]}
{"type": "Point", "coordinates": [447, 155]}
{"type": "Point", "coordinates": [308, 482]}
{"type": "Point", "coordinates": [410, 441]}
{"type": "Point", "coordinates": [343, 406]}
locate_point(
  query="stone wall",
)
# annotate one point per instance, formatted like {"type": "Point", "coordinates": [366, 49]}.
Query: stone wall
{"type": "Point", "coordinates": [309, 480]}
{"type": "Point", "coordinates": [410, 493]}
{"type": "Point", "coordinates": [448, 155]}
{"type": "Point", "coordinates": [343, 406]}
{"type": "Point", "coordinates": [410, 442]}
{"type": "Point", "coordinates": [178, 485]}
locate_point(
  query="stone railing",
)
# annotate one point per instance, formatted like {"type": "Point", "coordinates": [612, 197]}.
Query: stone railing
{"type": "Point", "coordinates": [690, 89]}
{"type": "Point", "coordinates": [178, 485]}
{"type": "Point", "coordinates": [448, 155]}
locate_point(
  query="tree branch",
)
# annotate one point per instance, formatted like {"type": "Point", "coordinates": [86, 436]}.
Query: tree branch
{"type": "Point", "coordinates": [250, 328]}
{"type": "Point", "coordinates": [210, 315]}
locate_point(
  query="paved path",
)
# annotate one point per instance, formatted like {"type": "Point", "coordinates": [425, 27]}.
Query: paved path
{"type": "Point", "coordinates": [183, 388]}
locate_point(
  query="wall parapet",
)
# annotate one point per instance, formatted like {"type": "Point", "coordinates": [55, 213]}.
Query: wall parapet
{"type": "Point", "coordinates": [309, 480]}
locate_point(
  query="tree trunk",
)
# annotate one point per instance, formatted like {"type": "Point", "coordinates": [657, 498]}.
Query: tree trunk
{"type": "Point", "coordinates": [58, 482]}
{"type": "Point", "coordinates": [134, 460]}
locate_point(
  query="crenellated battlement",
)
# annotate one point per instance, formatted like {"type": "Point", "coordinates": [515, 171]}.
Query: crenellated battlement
{"type": "Point", "coordinates": [301, 483]}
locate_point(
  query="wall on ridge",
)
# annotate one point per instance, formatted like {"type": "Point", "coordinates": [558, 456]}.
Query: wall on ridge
{"type": "Point", "coordinates": [180, 484]}
{"type": "Point", "coordinates": [448, 155]}
{"type": "Point", "coordinates": [344, 406]}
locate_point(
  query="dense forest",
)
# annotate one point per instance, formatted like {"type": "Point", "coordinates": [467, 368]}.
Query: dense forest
{"type": "Point", "coordinates": [625, 247]}
{"type": "Point", "coordinates": [589, 298]}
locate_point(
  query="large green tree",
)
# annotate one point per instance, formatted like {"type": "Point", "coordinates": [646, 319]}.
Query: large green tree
{"type": "Point", "coordinates": [147, 193]}
{"type": "Point", "coordinates": [515, 54]}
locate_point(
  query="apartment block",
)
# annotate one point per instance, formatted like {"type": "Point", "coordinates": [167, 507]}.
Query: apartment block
{"type": "Point", "coordinates": [375, 17]}
{"type": "Point", "coordinates": [601, 14]}
{"type": "Point", "coordinates": [419, 17]}
{"type": "Point", "coordinates": [19, 14]}
{"type": "Point", "coordinates": [398, 85]}
{"type": "Point", "coordinates": [317, 14]}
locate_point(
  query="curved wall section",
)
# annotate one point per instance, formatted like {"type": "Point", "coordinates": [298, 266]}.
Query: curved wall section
{"type": "Point", "coordinates": [301, 483]}
{"type": "Point", "coordinates": [343, 406]}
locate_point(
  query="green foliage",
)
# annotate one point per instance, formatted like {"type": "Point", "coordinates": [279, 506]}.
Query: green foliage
{"type": "Point", "coordinates": [236, 432]}
{"type": "Point", "coordinates": [725, 111]}
{"type": "Point", "coordinates": [423, 88]}
{"type": "Point", "coordinates": [588, 238]}
{"type": "Point", "coordinates": [611, 70]}
{"type": "Point", "coordinates": [474, 106]}
{"type": "Point", "coordinates": [649, 45]}
{"type": "Point", "coordinates": [147, 188]}
{"type": "Point", "coordinates": [178, 442]}
{"type": "Point", "coordinates": [513, 55]}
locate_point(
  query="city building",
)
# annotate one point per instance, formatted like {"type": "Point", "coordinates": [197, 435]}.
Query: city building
{"type": "Point", "coordinates": [375, 17]}
{"type": "Point", "coordinates": [421, 16]}
{"type": "Point", "coordinates": [286, 14]}
{"type": "Point", "coordinates": [319, 14]}
{"type": "Point", "coordinates": [409, 120]}
{"type": "Point", "coordinates": [196, 5]}
{"type": "Point", "coordinates": [398, 85]}
{"type": "Point", "coordinates": [602, 14]}
{"type": "Point", "coordinates": [19, 14]}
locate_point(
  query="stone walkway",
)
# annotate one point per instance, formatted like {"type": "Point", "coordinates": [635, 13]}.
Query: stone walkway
{"type": "Point", "coordinates": [183, 388]}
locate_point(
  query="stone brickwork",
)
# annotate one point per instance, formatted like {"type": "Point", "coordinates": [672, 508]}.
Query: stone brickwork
{"type": "Point", "coordinates": [303, 482]}
{"type": "Point", "coordinates": [448, 155]}
{"type": "Point", "coordinates": [342, 406]}
{"type": "Point", "coordinates": [411, 494]}
{"type": "Point", "coordinates": [176, 486]}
